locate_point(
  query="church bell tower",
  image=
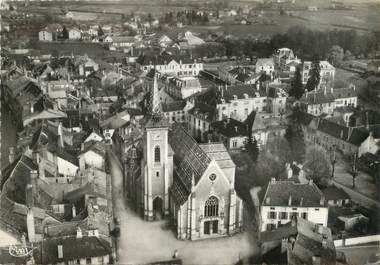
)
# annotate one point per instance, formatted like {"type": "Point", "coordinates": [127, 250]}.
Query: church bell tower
{"type": "Point", "coordinates": [155, 184]}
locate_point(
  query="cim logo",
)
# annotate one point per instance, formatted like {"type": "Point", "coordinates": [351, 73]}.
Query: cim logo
{"type": "Point", "coordinates": [20, 251]}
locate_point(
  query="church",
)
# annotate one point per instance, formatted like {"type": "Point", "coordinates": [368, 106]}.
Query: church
{"type": "Point", "coordinates": [168, 174]}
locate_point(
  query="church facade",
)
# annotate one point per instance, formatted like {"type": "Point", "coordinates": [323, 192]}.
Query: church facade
{"type": "Point", "coordinates": [170, 175]}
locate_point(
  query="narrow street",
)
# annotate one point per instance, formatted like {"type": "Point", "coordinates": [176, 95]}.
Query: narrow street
{"type": "Point", "coordinates": [365, 191]}
{"type": "Point", "coordinates": [142, 242]}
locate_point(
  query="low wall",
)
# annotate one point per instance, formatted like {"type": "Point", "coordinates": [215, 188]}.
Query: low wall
{"type": "Point", "coordinates": [356, 240]}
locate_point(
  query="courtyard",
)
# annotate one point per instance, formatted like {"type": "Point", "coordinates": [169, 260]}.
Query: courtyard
{"type": "Point", "coordinates": [143, 242]}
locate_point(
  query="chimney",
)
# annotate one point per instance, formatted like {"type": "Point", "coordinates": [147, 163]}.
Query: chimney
{"type": "Point", "coordinates": [290, 200]}
{"type": "Point", "coordinates": [79, 232]}
{"type": "Point", "coordinates": [236, 129]}
{"type": "Point", "coordinates": [60, 135]}
{"type": "Point", "coordinates": [310, 181]}
{"type": "Point", "coordinates": [273, 181]}
{"type": "Point", "coordinates": [367, 121]}
{"type": "Point", "coordinates": [322, 201]}
{"type": "Point", "coordinates": [60, 251]}
{"type": "Point", "coordinates": [74, 211]}
{"type": "Point", "coordinates": [31, 108]}
{"type": "Point", "coordinates": [82, 146]}
{"type": "Point", "coordinates": [29, 196]}
{"type": "Point", "coordinates": [324, 242]}
{"type": "Point", "coordinates": [301, 202]}
{"type": "Point", "coordinates": [267, 200]}
{"type": "Point", "coordinates": [33, 180]}
{"type": "Point", "coordinates": [30, 225]}
{"type": "Point", "coordinates": [11, 156]}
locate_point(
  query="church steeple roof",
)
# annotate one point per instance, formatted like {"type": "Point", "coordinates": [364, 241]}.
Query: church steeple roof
{"type": "Point", "coordinates": [157, 118]}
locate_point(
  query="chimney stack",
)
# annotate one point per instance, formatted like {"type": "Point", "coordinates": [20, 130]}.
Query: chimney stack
{"type": "Point", "coordinates": [290, 200]}
{"type": "Point", "coordinates": [74, 211]}
{"type": "Point", "coordinates": [60, 251]}
{"type": "Point", "coordinates": [30, 225]}
{"type": "Point", "coordinates": [60, 135]}
{"type": "Point", "coordinates": [79, 232]}
{"type": "Point", "coordinates": [11, 156]}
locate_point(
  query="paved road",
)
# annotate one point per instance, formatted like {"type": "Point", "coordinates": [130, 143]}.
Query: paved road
{"type": "Point", "coordinates": [118, 202]}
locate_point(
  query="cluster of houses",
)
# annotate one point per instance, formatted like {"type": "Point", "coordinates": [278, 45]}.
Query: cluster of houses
{"type": "Point", "coordinates": [173, 124]}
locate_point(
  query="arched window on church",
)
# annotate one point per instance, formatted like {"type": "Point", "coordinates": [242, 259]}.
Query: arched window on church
{"type": "Point", "coordinates": [212, 207]}
{"type": "Point", "coordinates": [157, 154]}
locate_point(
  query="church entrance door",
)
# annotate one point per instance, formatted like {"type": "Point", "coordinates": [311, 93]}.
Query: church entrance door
{"type": "Point", "coordinates": [210, 227]}
{"type": "Point", "coordinates": [157, 208]}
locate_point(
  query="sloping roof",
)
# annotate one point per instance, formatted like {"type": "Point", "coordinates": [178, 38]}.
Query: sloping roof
{"type": "Point", "coordinates": [204, 111]}
{"type": "Point", "coordinates": [301, 117]}
{"type": "Point", "coordinates": [97, 147]}
{"type": "Point", "coordinates": [334, 193]}
{"type": "Point", "coordinates": [219, 153]}
{"type": "Point", "coordinates": [312, 98]}
{"type": "Point", "coordinates": [353, 136]}
{"type": "Point", "coordinates": [281, 232]}
{"type": "Point", "coordinates": [302, 195]}
{"type": "Point", "coordinates": [18, 176]}
{"type": "Point", "coordinates": [152, 59]}
{"type": "Point", "coordinates": [230, 128]}
{"type": "Point", "coordinates": [73, 249]}
{"type": "Point", "coordinates": [190, 158]}
{"type": "Point", "coordinates": [173, 106]}
{"type": "Point", "coordinates": [228, 93]}
{"type": "Point", "coordinates": [116, 121]}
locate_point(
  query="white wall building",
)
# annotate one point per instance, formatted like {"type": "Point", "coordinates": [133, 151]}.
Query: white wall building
{"type": "Point", "coordinates": [285, 199]}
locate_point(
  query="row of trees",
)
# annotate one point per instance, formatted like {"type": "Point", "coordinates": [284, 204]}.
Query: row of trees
{"type": "Point", "coordinates": [335, 45]}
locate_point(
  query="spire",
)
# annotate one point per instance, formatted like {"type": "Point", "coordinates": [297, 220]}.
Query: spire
{"type": "Point", "coordinates": [155, 97]}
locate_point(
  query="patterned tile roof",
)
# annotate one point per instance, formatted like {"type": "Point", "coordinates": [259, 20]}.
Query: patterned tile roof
{"type": "Point", "coordinates": [190, 160]}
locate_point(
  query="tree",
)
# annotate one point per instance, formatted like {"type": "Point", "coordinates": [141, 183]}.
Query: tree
{"type": "Point", "coordinates": [335, 55]}
{"type": "Point", "coordinates": [65, 33]}
{"type": "Point", "coordinates": [315, 76]}
{"type": "Point", "coordinates": [295, 138]}
{"type": "Point", "coordinates": [100, 31]}
{"type": "Point", "coordinates": [296, 86]}
{"type": "Point", "coordinates": [317, 165]}
{"type": "Point", "coordinates": [348, 56]}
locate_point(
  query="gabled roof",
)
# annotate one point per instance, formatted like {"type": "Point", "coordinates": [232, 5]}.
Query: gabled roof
{"type": "Point", "coordinates": [16, 178]}
{"type": "Point", "coordinates": [97, 147]}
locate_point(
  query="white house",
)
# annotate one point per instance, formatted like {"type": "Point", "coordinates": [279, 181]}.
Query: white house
{"type": "Point", "coordinates": [92, 155]}
{"type": "Point", "coordinates": [284, 200]}
{"type": "Point", "coordinates": [171, 65]}
{"type": "Point", "coordinates": [327, 72]}
{"type": "Point", "coordinates": [265, 65]}
{"type": "Point", "coordinates": [75, 34]}
{"type": "Point", "coordinates": [45, 35]}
